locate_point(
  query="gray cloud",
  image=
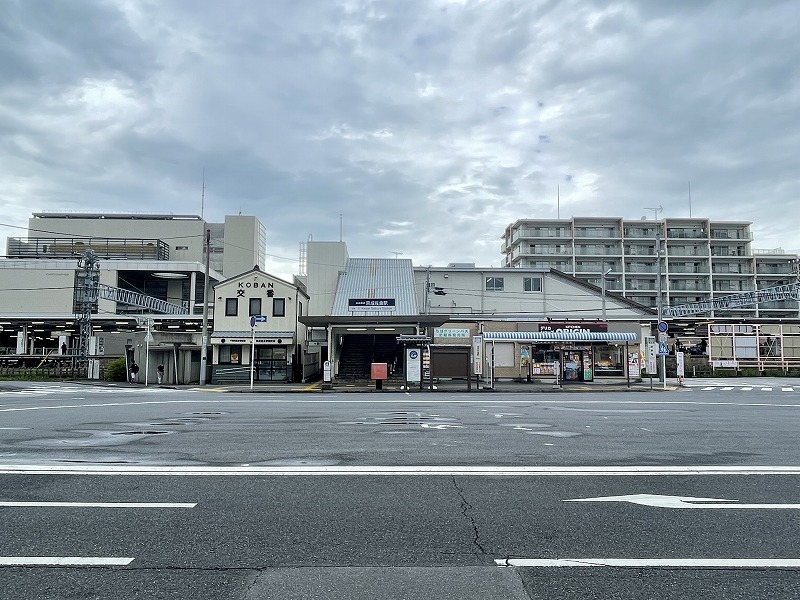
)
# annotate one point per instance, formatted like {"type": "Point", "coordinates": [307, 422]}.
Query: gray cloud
{"type": "Point", "coordinates": [427, 125]}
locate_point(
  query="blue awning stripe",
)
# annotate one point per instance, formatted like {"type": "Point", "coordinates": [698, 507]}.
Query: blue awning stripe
{"type": "Point", "coordinates": [561, 336]}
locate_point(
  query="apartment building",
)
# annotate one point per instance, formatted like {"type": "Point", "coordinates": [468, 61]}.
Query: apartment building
{"type": "Point", "coordinates": [700, 259]}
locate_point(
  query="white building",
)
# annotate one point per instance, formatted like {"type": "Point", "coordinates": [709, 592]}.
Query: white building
{"type": "Point", "coordinates": [257, 311]}
{"type": "Point", "coordinates": [361, 305]}
{"type": "Point", "coordinates": [701, 259]}
{"type": "Point", "coordinates": [160, 256]}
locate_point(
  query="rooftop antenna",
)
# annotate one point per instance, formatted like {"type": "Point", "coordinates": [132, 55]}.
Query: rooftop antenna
{"type": "Point", "coordinates": [203, 195]}
{"type": "Point", "coordinates": [690, 199]}
{"type": "Point", "coordinates": [396, 254]}
{"type": "Point", "coordinates": [558, 200]}
{"type": "Point", "coordinates": [340, 227]}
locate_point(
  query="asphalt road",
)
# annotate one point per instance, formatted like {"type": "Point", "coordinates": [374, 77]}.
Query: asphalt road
{"type": "Point", "coordinates": [597, 495]}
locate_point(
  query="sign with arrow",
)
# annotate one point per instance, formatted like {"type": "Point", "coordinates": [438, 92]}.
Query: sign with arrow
{"type": "Point", "coordinates": [660, 501]}
{"type": "Point", "coordinates": [257, 319]}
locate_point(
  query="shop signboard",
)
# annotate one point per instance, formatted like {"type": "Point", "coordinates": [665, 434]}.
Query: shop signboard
{"type": "Point", "coordinates": [634, 366]}
{"type": "Point", "coordinates": [477, 354]}
{"type": "Point", "coordinates": [413, 365]}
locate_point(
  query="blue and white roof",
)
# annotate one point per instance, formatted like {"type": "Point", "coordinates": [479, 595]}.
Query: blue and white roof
{"type": "Point", "coordinates": [372, 287]}
{"type": "Point", "coordinates": [561, 336]}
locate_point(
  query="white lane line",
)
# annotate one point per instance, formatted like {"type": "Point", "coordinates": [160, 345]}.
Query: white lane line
{"type": "Point", "coordinates": [99, 504]}
{"type": "Point", "coordinates": [766, 389]}
{"type": "Point", "coordinates": [747, 389]}
{"type": "Point", "coordinates": [63, 561]}
{"type": "Point", "coordinates": [400, 471]}
{"type": "Point", "coordinates": [656, 563]}
{"type": "Point", "coordinates": [708, 389]}
{"type": "Point", "coordinates": [726, 389]}
{"type": "Point", "coordinates": [787, 389]}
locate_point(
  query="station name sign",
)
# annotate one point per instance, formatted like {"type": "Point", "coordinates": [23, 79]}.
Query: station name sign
{"type": "Point", "coordinates": [371, 304]}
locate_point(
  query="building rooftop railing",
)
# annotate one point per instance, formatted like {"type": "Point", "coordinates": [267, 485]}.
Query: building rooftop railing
{"type": "Point", "coordinates": [108, 248]}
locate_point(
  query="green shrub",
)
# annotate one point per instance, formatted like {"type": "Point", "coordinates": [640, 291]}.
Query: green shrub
{"type": "Point", "coordinates": [116, 370]}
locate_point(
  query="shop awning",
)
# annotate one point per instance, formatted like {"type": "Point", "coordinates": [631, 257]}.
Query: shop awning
{"type": "Point", "coordinates": [560, 336]}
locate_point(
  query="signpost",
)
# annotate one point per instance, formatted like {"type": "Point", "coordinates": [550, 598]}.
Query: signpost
{"type": "Point", "coordinates": [254, 320]}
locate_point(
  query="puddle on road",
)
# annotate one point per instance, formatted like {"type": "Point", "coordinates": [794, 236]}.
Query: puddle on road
{"type": "Point", "coordinates": [555, 434]}
{"type": "Point", "coordinates": [422, 419]}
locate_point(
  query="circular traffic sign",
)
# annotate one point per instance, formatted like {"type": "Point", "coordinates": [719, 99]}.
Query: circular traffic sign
{"type": "Point", "coordinates": [413, 354]}
{"type": "Point", "coordinates": [662, 326]}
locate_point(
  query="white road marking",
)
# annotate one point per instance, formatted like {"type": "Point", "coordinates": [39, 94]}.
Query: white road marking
{"type": "Point", "coordinates": [428, 401]}
{"type": "Point", "coordinates": [63, 561]}
{"type": "Point", "coordinates": [708, 389]}
{"type": "Point", "coordinates": [747, 389]}
{"type": "Point", "coordinates": [726, 389]}
{"type": "Point", "coordinates": [766, 389]}
{"type": "Point", "coordinates": [787, 389]}
{"type": "Point", "coordinates": [660, 501]}
{"type": "Point", "coordinates": [400, 471]}
{"type": "Point", "coordinates": [655, 563]}
{"type": "Point", "coordinates": [100, 504]}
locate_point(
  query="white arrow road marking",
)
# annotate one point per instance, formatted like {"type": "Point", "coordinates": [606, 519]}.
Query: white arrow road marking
{"type": "Point", "coordinates": [100, 504]}
{"type": "Point", "coordinates": [656, 563]}
{"type": "Point", "coordinates": [681, 502]}
{"type": "Point", "coordinates": [63, 561]}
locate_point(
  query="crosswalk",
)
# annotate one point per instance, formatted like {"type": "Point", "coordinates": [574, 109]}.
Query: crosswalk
{"type": "Point", "coordinates": [50, 389]}
{"type": "Point", "coordinates": [745, 388]}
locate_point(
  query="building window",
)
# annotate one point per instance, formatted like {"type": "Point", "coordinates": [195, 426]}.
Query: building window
{"type": "Point", "coordinates": [231, 307]}
{"type": "Point", "coordinates": [279, 307]}
{"type": "Point", "coordinates": [532, 284]}
{"type": "Point", "coordinates": [230, 355]}
{"type": "Point", "coordinates": [255, 306]}
{"type": "Point", "coordinates": [494, 284]}
{"type": "Point", "coordinates": [300, 309]}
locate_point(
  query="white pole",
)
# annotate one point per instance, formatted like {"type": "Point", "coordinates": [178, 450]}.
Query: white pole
{"type": "Point", "coordinates": [147, 353]}
{"type": "Point", "coordinates": [252, 355]}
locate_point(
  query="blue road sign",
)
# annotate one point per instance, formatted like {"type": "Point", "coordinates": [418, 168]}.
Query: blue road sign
{"type": "Point", "coordinates": [662, 349]}
{"type": "Point", "coordinates": [662, 326]}
{"type": "Point", "coordinates": [257, 319]}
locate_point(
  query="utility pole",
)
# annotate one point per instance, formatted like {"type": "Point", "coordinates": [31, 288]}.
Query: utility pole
{"type": "Point", "coordinates": [659, 301]}
{"type": "Point", "coordinates": [204, 342]}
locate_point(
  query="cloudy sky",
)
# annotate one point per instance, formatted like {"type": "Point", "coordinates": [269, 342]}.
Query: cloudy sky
{"type": "Point", "coordinates": [428, 125]}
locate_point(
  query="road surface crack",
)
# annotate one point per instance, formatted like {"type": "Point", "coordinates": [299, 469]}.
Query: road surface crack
{"type": "Point", "coordinates": [466, 507]}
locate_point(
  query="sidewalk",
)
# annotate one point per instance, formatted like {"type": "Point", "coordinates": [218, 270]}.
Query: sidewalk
{"type": "Point", "coordinates": [605, 384]}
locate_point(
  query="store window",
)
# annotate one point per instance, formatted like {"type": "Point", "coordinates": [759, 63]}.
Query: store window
{"type": "Point", "coordinates": [279, 307]}
{"type": "Point", "coordinates": [494, 284]}
{"type": "Point", "coordinates": [231, 307]}
{"type": "Point", "coordinates": [532, 284]}
{"type": "Point", "coordinates": [230, 355]}
{"type": "Point", "coordinates": [609, 360]}
{"type": "Point", "coordinates": [255, 306]}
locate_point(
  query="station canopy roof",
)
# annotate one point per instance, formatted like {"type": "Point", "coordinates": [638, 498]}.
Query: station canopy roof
{"type": "Point", "coordinates": [560, 336]}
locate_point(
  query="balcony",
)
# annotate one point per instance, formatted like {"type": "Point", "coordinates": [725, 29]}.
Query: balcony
{"type": "Point", "coordinates": [731, 234]}
{"type": "Point", "coordinates": [596, 232]}
{"type": "Point", "coordinates": [109, 248]}
{"type": "Point", "coordinates": [647, 233]}
{"type": "Point", "coordinates": [541, 232]}
{"type": "Point", "coordinates": [597, 251]}
{"type": "Point", "coordinates": [693, 234]}
{"type": "Point", "coordinates": [735, 269]}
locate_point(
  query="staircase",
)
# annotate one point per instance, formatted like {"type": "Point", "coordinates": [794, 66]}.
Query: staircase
{"type": "Point", "coordinates": [356, 357]}
{"type": "Point", "coordinates": [360, 351]}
